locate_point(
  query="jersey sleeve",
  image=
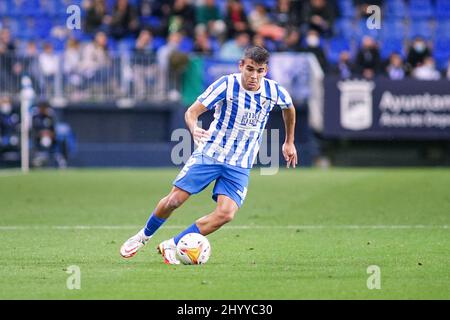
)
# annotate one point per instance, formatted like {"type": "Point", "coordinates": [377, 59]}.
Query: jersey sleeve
{"type": "Point", "coordinates": [214, 94]}
{"type": "Point", "coordinates": [284, 100]}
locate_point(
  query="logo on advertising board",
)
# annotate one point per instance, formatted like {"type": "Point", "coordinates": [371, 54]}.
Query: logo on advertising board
{"type": "Point", "coordinates": [356, 104]}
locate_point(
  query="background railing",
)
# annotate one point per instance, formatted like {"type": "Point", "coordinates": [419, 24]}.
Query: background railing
{"type": "Point", "coordinates": [119, 77]}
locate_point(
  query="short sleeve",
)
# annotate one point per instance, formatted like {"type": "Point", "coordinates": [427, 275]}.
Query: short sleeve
{"type": "Point", "coordinates": [284, 100]}
{"type": "Point", "coordinates": [214, 94]}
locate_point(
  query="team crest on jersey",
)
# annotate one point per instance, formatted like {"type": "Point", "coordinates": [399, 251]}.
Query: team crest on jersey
{"type": "Point", "coordinates": [252, 118]}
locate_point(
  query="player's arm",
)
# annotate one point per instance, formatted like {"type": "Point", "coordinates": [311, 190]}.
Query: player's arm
{"type": "Point", "coordinates": [289, 150]}
{"type": "Point", "coordinates": [191, 117]}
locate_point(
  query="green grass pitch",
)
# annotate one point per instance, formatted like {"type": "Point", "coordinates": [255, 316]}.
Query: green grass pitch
{"type": "Point", "coordinates": [301, 234]}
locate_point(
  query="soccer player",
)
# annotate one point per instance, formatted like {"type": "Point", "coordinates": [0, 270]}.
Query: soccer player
{"type": "Point", "coordinates": [225, 152]}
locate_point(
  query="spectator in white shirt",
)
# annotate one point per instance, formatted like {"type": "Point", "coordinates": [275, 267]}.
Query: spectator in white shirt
{"type": "Point", "coordinates": [427, 70]}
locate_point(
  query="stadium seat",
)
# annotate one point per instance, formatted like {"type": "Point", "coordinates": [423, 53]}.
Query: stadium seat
{"type": "Point", "coordinates": [393, 29]}
{"type": "Point", "coordinates": [158, 42]}
{"type": "Point", "coordinates": [389, 46]}
{"type": "Point", "coordinates": [442, 29]}
{"type": "Point", "coordinates": [335, 46]}
{"type": "Point", "coordinates": [344, 28]}
{"type": "Point", "coordinates": [395, 9]}
{"type": "Point", "coordinates": [443, 9]}
{"type": "Point", "coordinates": [346, 8]}
{"type": "Point", "coordinates": [186, 45]}
{"type": "Point", "coordinates": [421, 28]}
{"type": "Point", "coordinates": [441, 52]}
{"type": "Point", "coordinates": [421, 9]}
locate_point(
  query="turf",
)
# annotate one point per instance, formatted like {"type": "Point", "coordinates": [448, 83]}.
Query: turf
{"type": "Point", "coordinates": [301, 234]}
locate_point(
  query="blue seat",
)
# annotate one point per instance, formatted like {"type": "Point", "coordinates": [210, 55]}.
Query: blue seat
{"type": "Point", "coordinates": [421, 28]}
{"type": "Point", "coordinates": [346, 8]}
{"type": "Point", "coordinates": [395, 9]}
{"type": "Point", "coordinates": [186, 45]}
{"type": "Point", "coordinates": [442, 29]}
{"type": "Point", "coordinates": [421, 9]}
{"type": "Point", "coordinates": [393, 29]}
{"type": "Point", "coordinates": [441, 51]}
{"type": "Point", "coordinates": [443, 9]}
{"type": "Point", "coordinates": [158, 42]}
{"type": "Point", "coordinates": [344, 28]}
{"type": "Point", "coordinates": [390, 46]}
{"type": "Point", "coordinates": [334, 48]}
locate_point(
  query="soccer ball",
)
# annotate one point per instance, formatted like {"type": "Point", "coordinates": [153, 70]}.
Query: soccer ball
{"type": "Point", "coordinates": [193, 248]}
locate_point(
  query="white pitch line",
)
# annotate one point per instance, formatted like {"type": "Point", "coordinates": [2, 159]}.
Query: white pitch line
{"type": "Point", "coordinates": [7, 174]}
{"type": "Point", "coordinates": [237, 227]}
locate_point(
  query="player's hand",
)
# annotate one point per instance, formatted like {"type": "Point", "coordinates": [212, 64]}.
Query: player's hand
{"type": "Point", "coordinates": [290, 154]}
{"type": "Point", "coordinates": [200, 135]}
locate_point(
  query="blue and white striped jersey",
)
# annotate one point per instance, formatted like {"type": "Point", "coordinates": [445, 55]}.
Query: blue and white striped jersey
{"type": "Point", "coordinates": [239, 119]}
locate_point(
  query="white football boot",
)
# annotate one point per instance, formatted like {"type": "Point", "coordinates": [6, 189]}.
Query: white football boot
{"type": "Point", "coordinates": [134, 244]}
{"type": "Point", "coordinates": [168, 249]}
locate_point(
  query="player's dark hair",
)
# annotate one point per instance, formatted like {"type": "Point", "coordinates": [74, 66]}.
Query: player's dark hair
{"type": "Point", "coordinates": [257, 54]}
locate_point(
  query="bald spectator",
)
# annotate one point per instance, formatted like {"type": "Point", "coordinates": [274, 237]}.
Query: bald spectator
{"type": "Point", "coordinates": [368, 58]}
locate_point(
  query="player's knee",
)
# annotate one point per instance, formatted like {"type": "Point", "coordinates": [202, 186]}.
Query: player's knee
{"type": "Point", "coordinates": [225, 214]}
{"type": "Point", "coordinates": [173, 202]}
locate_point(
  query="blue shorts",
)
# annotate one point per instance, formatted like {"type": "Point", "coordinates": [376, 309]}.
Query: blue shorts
{"type": "Point", "coordinates": [200, 170]}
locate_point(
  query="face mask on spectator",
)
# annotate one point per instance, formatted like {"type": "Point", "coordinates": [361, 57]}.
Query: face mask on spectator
{"type": "Point", "coordinates": [419, 46]}
{"type": "Point", "coordinates": [5, 108]}
{"type": "Point", "coordinates": [312, 41]}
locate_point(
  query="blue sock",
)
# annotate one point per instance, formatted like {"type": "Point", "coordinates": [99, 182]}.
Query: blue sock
{"type": "Point", "coordinates": [153, 224]}
{"type": "Point", "coordinates": [191, 229]}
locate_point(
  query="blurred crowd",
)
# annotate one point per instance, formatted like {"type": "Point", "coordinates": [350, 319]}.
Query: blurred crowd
{"type": "Point", "coordinates": [167, 31]}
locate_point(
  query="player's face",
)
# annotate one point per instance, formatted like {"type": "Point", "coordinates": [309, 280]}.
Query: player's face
{"type": "Point", "coordinates": [252, 73]}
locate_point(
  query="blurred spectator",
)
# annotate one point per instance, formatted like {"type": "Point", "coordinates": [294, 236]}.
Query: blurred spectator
{"type": "Point", "coordinates": [312, 42]}
{"type": "Point", "coordinates": [202, 43]}
{"type": "Point", "coordinates": [124, 20]}
{"type": "Point", "coordinates": [287, 13]}
{"type": "Point", "coordinates": [395, 69]}
{"type": "Point", "coordinates": [318, 15]}
{"type": "Point", "coordinates": [142, 63]}
{"type": "Point", "coordinates": [344, 67]}
{"type": "Point", "coordinates": [236, 19]}
{"type": "Point", "coordinates": [182, 18]}
{"type": "Point", "coordinates": [95, 15]}
{"type": "Point", "coordinates": [209, 17]}
{"type": "Point", "coordinates": [172, 61]}
{"type": "Point", "coordinates": [43, 132]}
{"type": "Point", "coordinates": [426, 70]}
{"type": "Point", "coordinates": [9, 126]}
{"type": "Point", "coordinates": [234, 49]}
{"type": "Point", "coordinates": [9, 67]}
{"type": "Point", "coordinates": [95, 56]}
{"type": "Point", "coordinates": [448, 69]}
{"type": "Point", "coordinates": [291, 42]}
{"type": "Point", "coordinates": [417, 53]}
{"type": "Point", "coordinates": [48, 66]}
{"type": "Point", "coordinates": [260, 22]}
{"type": "Point", "coordinates": [72, 60]}
{"type": "Point", "coordinates": [368, 58]}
